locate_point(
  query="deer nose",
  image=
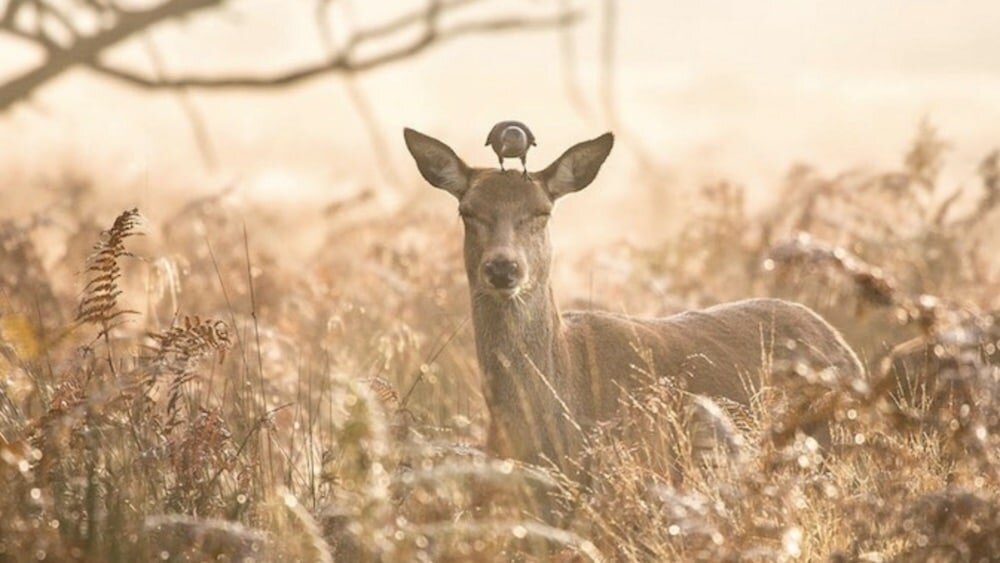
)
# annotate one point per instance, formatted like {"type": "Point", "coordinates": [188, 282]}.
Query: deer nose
{"type": "Point", "coordinates": [502, 273]}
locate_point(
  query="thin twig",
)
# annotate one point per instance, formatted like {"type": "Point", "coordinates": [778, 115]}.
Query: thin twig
{"type": "Point", "coordinates": [571, 79]}
{"type": "Point", "coordinates": [261, 420]}
{"type": "Point", "coordinates": [609, 38]}
{"type": "Point", "coordinates": [86, 50]}
{"type": "Point", "coordinates": [357, 97]}
{"type": "Point", "coordinates": [198, 128]}
{"type": "Point", "coordinates": [431, 359]}
{"type": "Point", "coordinates": [256, 331]}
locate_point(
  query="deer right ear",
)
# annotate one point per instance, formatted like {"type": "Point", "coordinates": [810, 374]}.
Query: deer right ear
{"type": "Point", "coordinates": [438, 164]}
{"type": "Point", "coordinates": [577, 167]}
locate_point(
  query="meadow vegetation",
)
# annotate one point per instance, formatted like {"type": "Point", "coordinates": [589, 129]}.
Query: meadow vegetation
{"type": "Point", "coordinates": [174, 391]}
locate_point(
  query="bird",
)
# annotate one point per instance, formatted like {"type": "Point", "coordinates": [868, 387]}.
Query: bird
{"type": "Point", "coordinates": [511, 139]}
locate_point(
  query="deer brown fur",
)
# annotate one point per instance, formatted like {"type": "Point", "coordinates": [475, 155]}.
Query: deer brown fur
{"type": "Point", "coordinates": [548, 376]}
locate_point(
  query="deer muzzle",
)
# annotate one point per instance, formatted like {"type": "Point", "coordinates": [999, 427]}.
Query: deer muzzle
{"type": "Point", "coordinates": [503, 273]}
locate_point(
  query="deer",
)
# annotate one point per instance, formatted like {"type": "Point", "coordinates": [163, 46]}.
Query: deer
{"type": "Point", "coordinates": [549, 376]}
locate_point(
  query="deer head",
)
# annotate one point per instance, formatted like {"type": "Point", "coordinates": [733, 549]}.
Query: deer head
{"type": "Point", "coordinates": [506, 214]}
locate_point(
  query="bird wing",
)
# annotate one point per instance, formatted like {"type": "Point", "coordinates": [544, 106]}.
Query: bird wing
{"type": "Point", "coordinates": [531, 136]}
{"type": "Point", "coordinates": [495, 131]}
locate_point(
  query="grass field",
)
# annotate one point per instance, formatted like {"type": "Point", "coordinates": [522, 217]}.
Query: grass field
{"type": "Point", "coordinates": [182, 390]}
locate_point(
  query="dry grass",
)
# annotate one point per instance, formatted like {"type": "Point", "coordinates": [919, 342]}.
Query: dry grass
{"type": "Point", "coordinates": [202, 400]}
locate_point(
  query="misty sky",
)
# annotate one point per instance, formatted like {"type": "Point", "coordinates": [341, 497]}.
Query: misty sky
{"type": "Point", "coordinates": [718, 88]}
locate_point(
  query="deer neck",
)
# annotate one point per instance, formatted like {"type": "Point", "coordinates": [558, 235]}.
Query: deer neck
{"type": "Point", "coordinates": [523, 356]}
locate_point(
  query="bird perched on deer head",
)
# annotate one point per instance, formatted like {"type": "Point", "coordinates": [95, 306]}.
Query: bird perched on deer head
{"type": "Point", "coordinates": [511, 139]}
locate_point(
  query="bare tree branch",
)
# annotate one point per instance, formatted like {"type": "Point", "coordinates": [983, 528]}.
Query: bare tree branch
{"type": "Point", "coordinates": [199, 130]}
{"type": "Point", "coordinates": [571, 79]}
{"type": "Point", "coordinates": [8, 24]}
{"type": "Point", "coordinates": [86, 50]}
{"type": "Point", "coordinates": [49, 13]}
{"type": "Point", "coordinates": [609, 38]}
{"type": "Point", "coordinates": [342, 62]}
{"type": "Point", "coordinates": [410, 19]}
{"type": "Point", "coordinates": [364, 109]}
{"type": "Point", "coordinates": [609, 20]}
{"type": "Point", "coordinates": [69, 41]}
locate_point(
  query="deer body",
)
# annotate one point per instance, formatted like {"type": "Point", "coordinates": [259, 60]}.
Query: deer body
{"type": "Point", "coordinates": [548, 377]}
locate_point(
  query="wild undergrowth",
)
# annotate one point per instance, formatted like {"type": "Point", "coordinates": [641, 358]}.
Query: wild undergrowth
{"type": "Point", "coordinates": [174, 388]}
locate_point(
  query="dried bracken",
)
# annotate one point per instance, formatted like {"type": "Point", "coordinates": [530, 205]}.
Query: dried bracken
{"type": "Point", "coordinates": [99, 301]}
{"type": "Point", "coordinates": [328, 407]}
{"type": "Point", "coordinates": [178, 352]}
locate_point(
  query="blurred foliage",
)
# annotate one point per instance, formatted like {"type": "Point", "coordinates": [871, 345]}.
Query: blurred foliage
{"type": "Point", "coordinates": [329, 409]}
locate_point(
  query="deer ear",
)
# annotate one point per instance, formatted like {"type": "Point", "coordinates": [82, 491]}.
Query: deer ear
{"type": "Point", "coordinates": [438, 164]}
{"type": "Point", "coordinates": [577, 167]}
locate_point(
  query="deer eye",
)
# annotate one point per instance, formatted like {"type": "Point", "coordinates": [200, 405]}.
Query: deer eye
{"type": "Point", "coordinates": [538, 219]}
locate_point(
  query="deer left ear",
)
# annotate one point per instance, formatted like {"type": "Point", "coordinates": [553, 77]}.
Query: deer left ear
{"type": "Point", "coordinates": [577, 167]}
{"type": "Point", "coordinates": [438, 164]}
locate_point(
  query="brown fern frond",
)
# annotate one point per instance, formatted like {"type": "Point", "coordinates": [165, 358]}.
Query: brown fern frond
{"type": "Point", "coordinates": [181, 346]}
{"type": "Point", "coordinates": [385, 392]}
{"type": "Point", "coordinates": [179, 350]}
{"type": "Point", "coordinates": [99, 301]}
{"type": "Point", "coordinates": [173, 400]}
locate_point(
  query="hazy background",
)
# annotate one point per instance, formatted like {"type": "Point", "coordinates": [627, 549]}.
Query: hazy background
{"type": "Point", "coordinates": [277, 357]}
{"type": "Point", "coordinates": [712, 89]}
